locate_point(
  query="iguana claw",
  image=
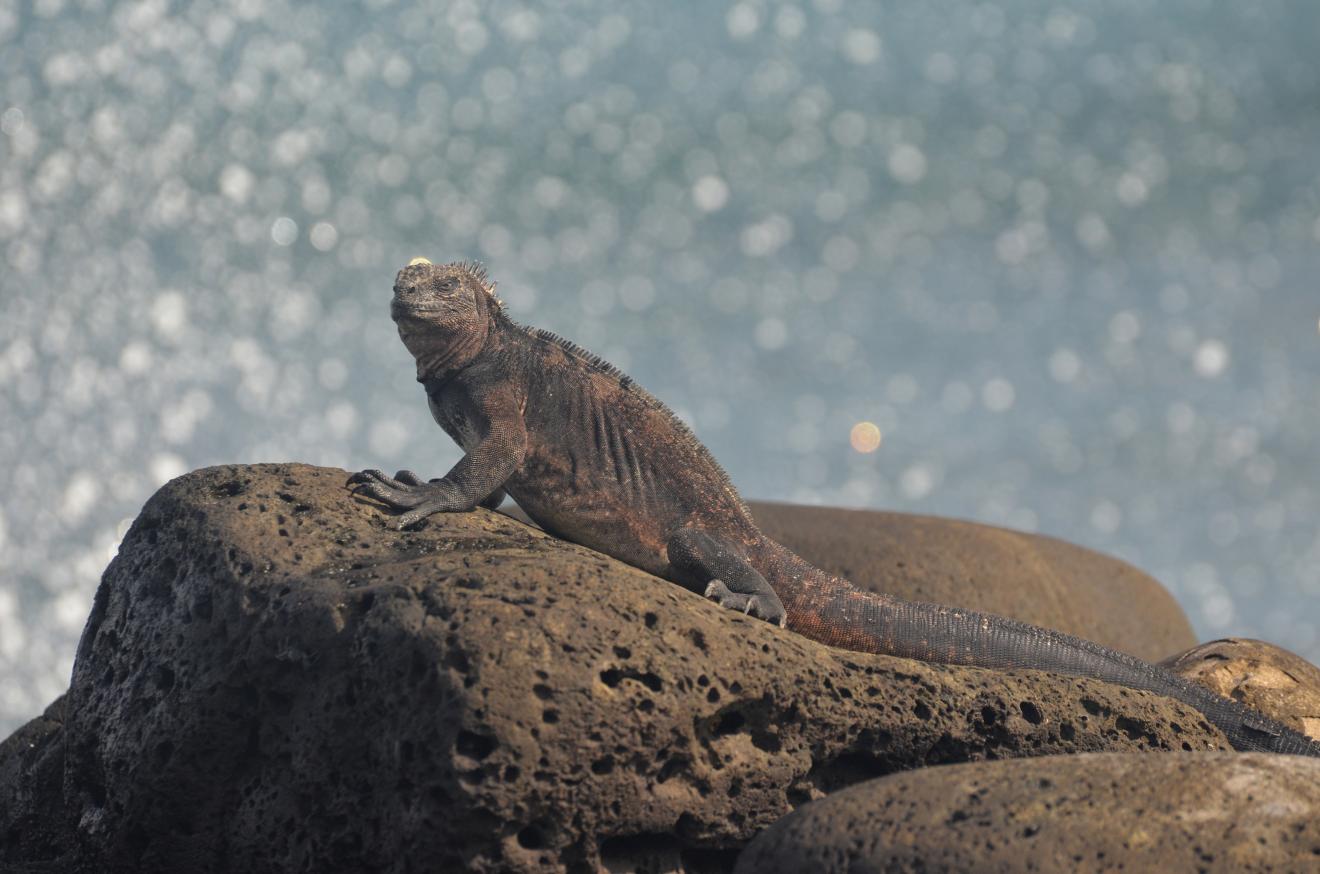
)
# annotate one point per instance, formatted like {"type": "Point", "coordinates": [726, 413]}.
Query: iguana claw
{"type": "Point", "coordinates": [752, 605]}
{"type": "Point", "coordinates": [403, 491]}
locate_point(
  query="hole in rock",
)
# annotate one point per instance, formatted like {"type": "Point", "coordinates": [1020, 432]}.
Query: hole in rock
{"type": "Point", "coordinates": [766, 741]}
{"type": "Point", "coordinates": [613, 676]}
{"type": "Point", "coordinates": [1135, 729]}
{"type": "Point", "coordinates": [473, 745]}
{"type": "Point", "coordinates": [229, 489]}
{"type": "Point", "coordinates": [730, 722]}
{"type": "Point", "coordinates": [798, 796]}
{"type": "Point", "coordinates": [671, 767]}
{"type": "Point", "coordinates": [705, 859]}
{"type": "Point", "coordinates": [532, 837]}
{"type": "Point", "coordinates": [845, 770]}
{"type": "Point", "coordinates": [643, 852]}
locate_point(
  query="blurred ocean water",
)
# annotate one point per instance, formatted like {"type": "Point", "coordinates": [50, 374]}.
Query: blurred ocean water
{"type": "Point", "coordinates": [1035, 264]}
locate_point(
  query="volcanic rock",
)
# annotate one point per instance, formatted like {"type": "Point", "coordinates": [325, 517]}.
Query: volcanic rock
{"type": "Point", "coordinates": [273, 679]}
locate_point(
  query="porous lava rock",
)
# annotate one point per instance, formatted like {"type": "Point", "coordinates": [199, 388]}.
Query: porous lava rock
{"type": "Point", "coordinates": [272, 679]}
{"type": "Point", "coordinates": [1205, 812]}
{"type": "Point", "coordinates": [1261, 675]}
{"type": "Point", "coordinates": [32, 815]}
{"type": "Point", "coordinates": [1037, 579]}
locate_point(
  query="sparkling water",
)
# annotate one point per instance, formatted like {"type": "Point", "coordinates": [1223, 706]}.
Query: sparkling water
{"type": "Point", "coordinates": [1040, 265]}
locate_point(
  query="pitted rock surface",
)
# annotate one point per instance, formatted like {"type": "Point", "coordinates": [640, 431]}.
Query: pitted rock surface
{"type": "Point", "coordinates": [1030, 577]}
{"type": "Point", "coordinates": [1261, 675]}
{"type": "Point", "coordinates": [272, 680]}
{"type": "Point", "coordinates": [1203, 812]}
{"type": "Point", "coordinates": [32, 823]}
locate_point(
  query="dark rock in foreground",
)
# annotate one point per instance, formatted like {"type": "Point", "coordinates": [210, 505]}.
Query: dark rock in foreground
{"type": "Point", "coordinates": [32, 822]}
{"type": "Point", "coordinates": [1030, 577]}
{"type": "Point", "coordinates": [1227, 812]}
{"type": "Point", "coordinates": [272, 680]}
{"type": "Point", "coordinates": [1265, 677]}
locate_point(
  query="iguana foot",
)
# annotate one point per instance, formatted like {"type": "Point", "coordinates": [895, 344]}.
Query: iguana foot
{"type": "Point", "coordinates": [406, 491]}
{"type": "Point", "coordinates": [402, 491]}
{"type": "Point", "coordinates": [731, 581]}
{"type": "Point", "coordinates": [752, 605]}
{"type": "Point", "coordinates": [401, 481]}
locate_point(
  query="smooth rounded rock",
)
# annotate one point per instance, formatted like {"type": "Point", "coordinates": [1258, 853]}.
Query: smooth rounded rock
{"type": "Point", "coordinates": [1261, 675]}
{"type": "Point", "coordinates": [1203, 812]}
{"type": "Point", "coordinates": [1030, 577]}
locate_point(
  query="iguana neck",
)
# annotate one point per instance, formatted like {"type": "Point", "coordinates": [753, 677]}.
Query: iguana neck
{"type": "Point", "coordinates": [441, 352]}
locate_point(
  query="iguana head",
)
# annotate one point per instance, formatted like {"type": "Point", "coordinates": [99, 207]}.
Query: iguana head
{"type": "Point", "coordinates": [443, 313]}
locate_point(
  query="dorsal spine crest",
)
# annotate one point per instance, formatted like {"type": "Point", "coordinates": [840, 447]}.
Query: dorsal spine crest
{"type": "Point", "coordinates": [477, 271]}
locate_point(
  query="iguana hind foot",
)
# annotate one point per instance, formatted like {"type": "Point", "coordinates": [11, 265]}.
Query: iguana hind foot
{"type": "Point", "coordinates": [752, 605]}
{"type": "Point", "coordinates": [727, 576]}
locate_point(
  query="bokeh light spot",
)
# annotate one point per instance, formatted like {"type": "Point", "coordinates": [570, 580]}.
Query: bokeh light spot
{"type": "Point", "coordinates": [865, 437]}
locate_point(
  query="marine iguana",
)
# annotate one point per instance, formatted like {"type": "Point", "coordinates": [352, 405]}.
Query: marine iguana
{"type": "Point", "coordinates": [594, 458]}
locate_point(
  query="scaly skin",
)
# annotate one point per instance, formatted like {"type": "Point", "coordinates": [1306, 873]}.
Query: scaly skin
{"type": "Point", "coordinates": [595, 459]}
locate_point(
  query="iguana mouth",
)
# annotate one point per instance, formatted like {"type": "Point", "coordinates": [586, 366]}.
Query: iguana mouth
{"type": "Point", "coordinates": [400, 307]}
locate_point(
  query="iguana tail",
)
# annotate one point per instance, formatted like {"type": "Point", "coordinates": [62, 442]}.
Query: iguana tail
{"type": "Point", "coordinates": [835, 612]}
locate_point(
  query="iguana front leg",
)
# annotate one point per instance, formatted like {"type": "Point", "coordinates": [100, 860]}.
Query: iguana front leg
{"type": "Point", "coordinates": [701, 560]}
{"type": "Point", "coordinates": [477, 480]}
